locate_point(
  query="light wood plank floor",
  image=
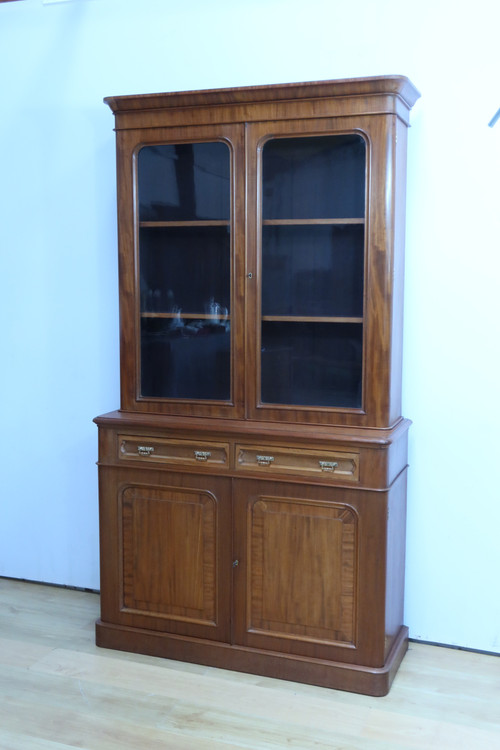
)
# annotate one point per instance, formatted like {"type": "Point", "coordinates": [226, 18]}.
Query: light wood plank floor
{"type": "Point", "coordinates": [58, 691]}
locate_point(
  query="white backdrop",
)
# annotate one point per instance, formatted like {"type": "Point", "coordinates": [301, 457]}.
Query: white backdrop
{"type": "Point", "coordinates": [59, 304]}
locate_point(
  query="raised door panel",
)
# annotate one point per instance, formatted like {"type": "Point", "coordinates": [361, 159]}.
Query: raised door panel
{"type": "Point", "coordinates": [173, 533]}
{"type": "Point", "coordinates": [173, 563]}
{"type": "Point", "coordinates": [301, 570]}
{"type": "Point", "coordinates": [311, 565]}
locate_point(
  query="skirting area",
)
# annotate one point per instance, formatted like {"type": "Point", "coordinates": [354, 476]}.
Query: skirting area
{"type": "Point", "coordinates": [59, 691]}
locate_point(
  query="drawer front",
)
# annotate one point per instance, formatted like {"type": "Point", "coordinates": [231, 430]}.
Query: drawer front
{"type": "Point", "coordinates": [185, 452]}
{"type": "Point", "coordinates": [327, 464]}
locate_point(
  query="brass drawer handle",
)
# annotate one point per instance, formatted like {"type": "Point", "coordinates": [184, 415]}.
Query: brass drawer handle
{"type": "Point", "coordinates": [328, 465]}
{"type": "Point", "coordinates": [264, 460]}
{"type": "Point", "coordinates": [145, 450]}
{"type": "Point", "coordinates": [202, 455]}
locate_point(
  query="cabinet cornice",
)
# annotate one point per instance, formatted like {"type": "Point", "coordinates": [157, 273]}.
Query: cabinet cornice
{"type": "Point", "coordinates": [348, 97]}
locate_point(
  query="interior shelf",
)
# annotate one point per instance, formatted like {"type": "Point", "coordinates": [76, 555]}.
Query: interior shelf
{"type": "Point", "coordinates": [310, 222]}
{"type": "Point", "coordinates": [194, 223]}
{"type": "Point", "coordinates": [181, 315]}
{"type": "Point", "coordinates": [310, 319]}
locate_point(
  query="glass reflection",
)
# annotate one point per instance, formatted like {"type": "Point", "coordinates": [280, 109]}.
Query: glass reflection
{"type": "Point", "coordinates": [314, 178]}
{"type": "Point", "coordinates": [184, 268]}
{"type": "Point", "coordinates": [312, 364]}
{"type": "Point", "coordinates": [313, 270]}
{"type": "Point", "coordinates": [185, 271]}
{"type": "Point", "coordinates": [185, 358]}
{"type": "Point", "coordinates": [313, 238]}
{"type": "Point", "coordinates": [184, 182]}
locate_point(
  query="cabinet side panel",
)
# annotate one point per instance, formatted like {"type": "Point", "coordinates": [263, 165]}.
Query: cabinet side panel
{"type": "Point", "coordinates": [399, 198]}
{"type": "Point", "coordinates": [395, 575]}
{"type": "Point", "coordinates": [126, 268]}
{"type": "Point", "coordinates": [109, 544]}
{"type": "Point", "coordinates": [378, 293]}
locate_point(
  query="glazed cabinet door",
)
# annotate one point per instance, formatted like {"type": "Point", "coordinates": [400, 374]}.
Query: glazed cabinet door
{"type": "Point", "coordinates": [165, 559]}
{"type": "Point", "coordinates": [309, 567]}
{"type": "Point", "coordinates": [320, 263]}
{"type": "Point", "coordinates": [180, 270]}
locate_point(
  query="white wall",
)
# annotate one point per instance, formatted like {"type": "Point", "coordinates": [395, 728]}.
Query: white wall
{"type": "Point", "coordinates": [59, 271]}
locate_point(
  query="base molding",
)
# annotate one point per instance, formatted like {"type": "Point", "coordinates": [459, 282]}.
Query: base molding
{"type": "Point", "coordinates": [336, 675]}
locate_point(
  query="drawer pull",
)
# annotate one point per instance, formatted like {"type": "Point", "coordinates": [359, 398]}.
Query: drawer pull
{"type": "Point", "coordinates": [264, 460]}
{"type": "Point", "coordinates": [328, 465]}
{"type": "Point", "coordinates": [145, 450]}
{"type": "Point", "coordinates": [202, 455]}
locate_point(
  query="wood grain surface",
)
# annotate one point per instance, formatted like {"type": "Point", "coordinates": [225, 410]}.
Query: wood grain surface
{"type": "Point", "coordinates": [59, 691]}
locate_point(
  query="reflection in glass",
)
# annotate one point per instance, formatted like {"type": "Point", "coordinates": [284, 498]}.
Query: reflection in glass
{"type": "Point", "coordinates": [314, 178]}
{"type": "Point", "coordinates": [184, 182]}
{"type": "Point", "coordinates": [312, 364]}
{"type": "Point", "coordinates": [185, 271]}
{"type": "Point", "coordinates": [313, 255]}
{"type": "Point", "coordinates": [185, 358]}
{"type": "Point", "coordinates": [184, 268]}
{"type": "Point", "coordinates": [313, 270]}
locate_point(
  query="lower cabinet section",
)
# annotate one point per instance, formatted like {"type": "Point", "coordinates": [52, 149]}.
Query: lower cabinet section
{"type": "Point", "coordinates": [284, 579]}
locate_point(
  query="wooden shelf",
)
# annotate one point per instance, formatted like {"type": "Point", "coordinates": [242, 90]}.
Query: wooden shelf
{"type": "Point", "coordinates": [158, 224]}
{"type": "Point", "coordinates": [310, 222]}
{"type": "Point", "coordinates": [185, 316]}
{"type": "Point", "coordinates": [309, 319]}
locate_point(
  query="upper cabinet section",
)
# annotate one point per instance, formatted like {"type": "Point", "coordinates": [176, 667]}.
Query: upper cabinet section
{"type": "Point", "coordinates": [261, 237]}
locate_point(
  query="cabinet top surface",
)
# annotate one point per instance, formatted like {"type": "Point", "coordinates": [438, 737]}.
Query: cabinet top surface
{"type": "Point", "coordinates": [397, 86]}
{"type": "Point", "coordinates": [248, 428]}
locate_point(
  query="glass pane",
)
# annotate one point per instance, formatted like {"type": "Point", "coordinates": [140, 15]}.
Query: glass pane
{"type": "Point", "coordinates": [314, 178]}
{"type": "Point", "coordinates": [185, 358]}
{"type": "Point", "coordinates": [182, 182]}
{"type": "Point", "coordinates": [312, 364]}
{"type": "Point", "coordinates": [184, 269]}
{"type": "Point", "coordinates": [313, 237]}
{"type": "Point", "coordinates": [313, 270]}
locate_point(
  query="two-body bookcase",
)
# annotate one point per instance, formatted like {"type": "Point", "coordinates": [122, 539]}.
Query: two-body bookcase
{"type": "Point", "coordinates": [253, 482]}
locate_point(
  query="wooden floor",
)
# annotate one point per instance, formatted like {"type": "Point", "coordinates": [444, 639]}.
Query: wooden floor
{"type": "Point", "coordinates": [58, 691]}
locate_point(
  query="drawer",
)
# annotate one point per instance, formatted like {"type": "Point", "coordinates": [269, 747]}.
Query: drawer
{"type": "Point", "coordinates": [327, 464]}
{"type": "Point", "coordinates": [185, 452]}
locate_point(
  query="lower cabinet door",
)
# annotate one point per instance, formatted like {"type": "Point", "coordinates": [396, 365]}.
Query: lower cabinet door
{"type": "Point", "coordinates": [173, 571]}
{"type": "Point", "coordinates": [311, 565]}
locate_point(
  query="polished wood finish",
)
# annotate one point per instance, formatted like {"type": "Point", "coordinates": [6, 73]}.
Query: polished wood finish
{"type": "Point", "coordinates": [262, 522]}
{"type": "Point", "coordinates": [128, 143]}
{"type": "Point", "coordinates": [303, 461]}
{"type": "Point", "coordinates": [375, 108]}
{"type": "Point", "coordinates": [58, 691]}
{"type": "Point", "coordinates": [316, 603]}
{"type": "Point", "coordinates": [169, 567]}
{"type": "Point", "coordinates": [263, 537]}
